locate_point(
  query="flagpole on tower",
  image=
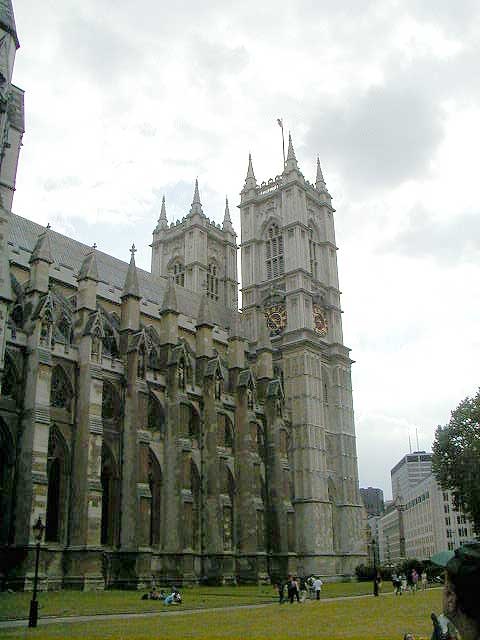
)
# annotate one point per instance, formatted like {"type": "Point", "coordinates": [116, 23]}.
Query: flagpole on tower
{"type": "Point", "coordinates": [280, 124]}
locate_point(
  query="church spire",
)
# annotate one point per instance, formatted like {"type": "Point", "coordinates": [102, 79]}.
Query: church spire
{"type": "Point", "coordinates": [319, 182]}
{"type": "Point", "coordinates": [227, 221]}
{"type": "Point", "coordinates": [169, 303]}
{"type": "Point", "coordinates": [250, 181]}
{"type": "Point", "coordinates": [131, 288]}
{"type": "Point", "coordinates": [43, 248]}
{"type": "Point", "coordinates": [291, 163]}
{"type": "Point", "coordinates": [162, 220]}
{"type": "Point", "coordinates": [196, 204]}
{"type": "Point", "coordinates": [89, 269]}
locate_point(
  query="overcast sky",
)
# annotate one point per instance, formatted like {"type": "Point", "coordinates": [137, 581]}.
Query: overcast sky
{"type": "Point", "coordinates": [132, 99]}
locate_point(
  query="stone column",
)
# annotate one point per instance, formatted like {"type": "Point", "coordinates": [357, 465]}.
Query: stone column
{"type": "Point", "coordinates": [172, 516]}
{"type": "Point", "coordinates": [129, 515]}
{"type": "Point", "coordinates": [313, 510]}
{"type": "Point", "coordinates": [212, 512]}
{"type": "Point", "coordinates": [246, 523]}
{"type": "Point", "coordinates": [84, 557]}
{"type": "Point", "coordinates": [277, 497]}
{"type": "Point", "coordinates": [32, 481]}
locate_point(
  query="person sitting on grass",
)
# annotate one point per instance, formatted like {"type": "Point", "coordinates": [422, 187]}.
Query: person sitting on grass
{"type": "Point", "coordinates": [460, 619]}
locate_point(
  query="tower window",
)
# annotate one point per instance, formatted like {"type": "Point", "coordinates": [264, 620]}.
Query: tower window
{"type": "Point", "coordinates": [313, 246]}
{"type": "Point", "coordinates": [179, 273]}
{"type": "Point", "coordinates": [274, 252]}
{"type": "Point", "coordinates": [212, 281]}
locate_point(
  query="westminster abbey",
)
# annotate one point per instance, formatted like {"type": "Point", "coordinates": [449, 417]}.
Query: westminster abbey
{"type": "Point", "coordinates": [157, 430]}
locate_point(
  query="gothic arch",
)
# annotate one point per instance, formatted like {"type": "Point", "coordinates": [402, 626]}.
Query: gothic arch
{"type": "Point", "coordinates": [190, 420]}
{"type": "Point", "coordinates": [111, 403]}
{"type": "Point", "coordinates": [155, 415]}
{"type": "Point", "coordinates": [110, 479]}
{"type": "Point", "coordinates": [176, 268]}
{"type": "Point", "coordinates": [7, 462]}
{"type": "Point", "coordinates": [226, 433]}
{"type": "Point", "coordinates": [228, 512]}
{"type": "Point", "coordinates": [271, 220]}
{"type": "Point", "coordinates": [58, 471]}
{"type": "Point", "coordinates": [61, 390]}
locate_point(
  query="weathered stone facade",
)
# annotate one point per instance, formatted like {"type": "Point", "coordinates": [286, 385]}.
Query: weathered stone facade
{"type": "Point", "coordinates": [158, 431]}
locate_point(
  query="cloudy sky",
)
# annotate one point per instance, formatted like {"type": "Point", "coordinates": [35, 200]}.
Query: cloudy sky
{"type": "Point", "coordinates": [128, 100]}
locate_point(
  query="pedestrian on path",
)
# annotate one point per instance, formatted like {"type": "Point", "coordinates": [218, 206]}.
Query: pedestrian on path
{"type": "Point", "coordinates": [317, 585]}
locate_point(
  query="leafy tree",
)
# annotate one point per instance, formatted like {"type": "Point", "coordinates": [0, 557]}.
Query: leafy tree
{"type": "Point", "coordinates": [456, 458]}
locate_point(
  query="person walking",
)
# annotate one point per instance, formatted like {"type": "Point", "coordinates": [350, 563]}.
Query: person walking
{"type": "Point", "coordinates": [281, 592]}
{"type": "Point", "coordinates": [317, 585]}
{"type": "Point", "coordinates": [414, 577]}
{"type": "Point", "coordinates": [424, 580]}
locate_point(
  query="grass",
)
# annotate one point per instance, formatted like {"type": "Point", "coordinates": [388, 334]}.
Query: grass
{"type": "Point", "coordinates": [69, 603]}
{"type": "Point", "coordinates": [384, 618]}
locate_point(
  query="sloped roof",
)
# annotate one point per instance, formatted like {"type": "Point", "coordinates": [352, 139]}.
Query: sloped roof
{"type": "Point", "coordinates": [70, 253]}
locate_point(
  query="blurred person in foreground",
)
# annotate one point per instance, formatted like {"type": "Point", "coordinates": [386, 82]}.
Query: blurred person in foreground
{"type": "Point", "coordinates": [460, 619]}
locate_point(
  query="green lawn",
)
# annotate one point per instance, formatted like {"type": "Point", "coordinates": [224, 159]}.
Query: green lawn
{"type": "Point", "coordinates": [67, 603]}
{"type": "Point", "coordinates": [384, 618]}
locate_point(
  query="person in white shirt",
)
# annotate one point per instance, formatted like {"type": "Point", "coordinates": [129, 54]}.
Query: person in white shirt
{"type": "Point", "coordinates": [317, 585]}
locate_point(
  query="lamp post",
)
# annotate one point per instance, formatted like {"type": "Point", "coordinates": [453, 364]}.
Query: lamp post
{"type": "Point", "coordinates": [38, 529]}
{"type": "Point", "coordinates": [375, 580]}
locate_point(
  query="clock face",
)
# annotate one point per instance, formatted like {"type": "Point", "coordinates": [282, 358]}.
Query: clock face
{"type": "Point", "coordinates": [276, 315]}
{"type": "Point", "coordinates": [320, 323]}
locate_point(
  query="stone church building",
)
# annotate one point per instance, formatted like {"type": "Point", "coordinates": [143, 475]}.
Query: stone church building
{"type": "Point", "coordinates": [155, 428]}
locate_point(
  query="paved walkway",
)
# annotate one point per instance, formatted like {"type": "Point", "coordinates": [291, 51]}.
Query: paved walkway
{"type": "Point", "coordinates": [10, 624]}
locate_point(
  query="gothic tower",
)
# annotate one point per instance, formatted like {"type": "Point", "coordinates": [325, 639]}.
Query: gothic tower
{"type": "Point", "coordinates": [12, 124]}
{"type": "Point", "coordinates": [290, 282]}
{"type": "Point", "coordinates": [11, 131]}
{"type": "Point", "coordinates": [199, 254]}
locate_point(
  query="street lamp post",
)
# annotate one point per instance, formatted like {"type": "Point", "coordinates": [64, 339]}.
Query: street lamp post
{"type": "Point", "coordinates": [38, 529]}
{"type": "Point", "coordinates": [375, 577]}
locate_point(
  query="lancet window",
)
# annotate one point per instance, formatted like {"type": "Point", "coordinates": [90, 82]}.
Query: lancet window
{"type": "Point", "coordinates": [155, 483]}
{"type": "Point", "coordinates": [314, 254]}
{"type": "Point", "coordinates": [179, 273]}
{"type": "Point", "coordinates": [57, 463]}
{"type": "Point", "coordinates": [274, 252]}
{"type": "Point", "coordinates": [61, 390]}
{"type": "Point", "coordinates": [212, 281]}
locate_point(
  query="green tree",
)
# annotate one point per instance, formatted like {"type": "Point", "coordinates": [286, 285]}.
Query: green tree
{"type": "Point", "coordinates": [456, 458]}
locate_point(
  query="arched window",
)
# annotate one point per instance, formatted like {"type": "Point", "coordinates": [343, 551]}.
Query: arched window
{"type": "Point", "coordinates": [61, 390]}
{"type": "Point", "coordinates": [65, 329]}
{"type": "Point", "coordinates": [6, 478]}
{"type": "Point", "coordinates": [191, 509]}
{"type": "Point", "coordinates": [225, 431]}
{"type": "Point", "coordinates": [110, 498]}
{"type": "Point", "coordinates": [314, 254]}
{"type": "Point", "coordinates": [179, 273]}
{"type": "Point", "coordinates": [110, 347]}
{"type": "Point", "coordinates": [195, 489]}
{"type": "Point", "coordinates": [212, 281]}
{"type": "Point", "coordinates": [155, 482]}
{"type": "Point", "coordinates": [111, 404]}
{"type": "Point", "coordinates": [142, 362]}
{"type": "Point", "coordinates": [274, 252]}
{"type": "Point", "coordinates": [228, 488]}
{"type": "Point", "coordinates": [57, 465]}
{"type": "Point", "coordinates": [9, 387]}
{"type": "Point", "coordinates": [156, 415]}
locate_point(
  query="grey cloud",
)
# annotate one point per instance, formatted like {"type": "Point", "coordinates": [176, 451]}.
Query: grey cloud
{"type": "Point", "coordinates": [454, 241]}
{"type": "Point", "coordinates": [54, 184]}
{"type": "Point", "coordinates": [380, 138]}
{"type": "Point", "coordinates": [99, 52]}
{"type": "Point", "coordinates": [212, 60]}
